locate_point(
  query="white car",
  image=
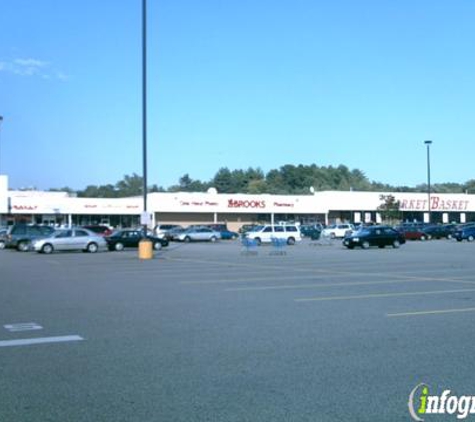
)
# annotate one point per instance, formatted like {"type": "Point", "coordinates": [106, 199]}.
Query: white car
{"type": "Point", "coordinates": [265, 234]}
{"type": "Point", "coordinates": [70, 240]}
{"type": "Point", "coordinates": [337, 230]}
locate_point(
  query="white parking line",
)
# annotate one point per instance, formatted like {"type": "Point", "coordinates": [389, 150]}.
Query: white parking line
{"type": "Point", "coordinates": [381, 295]}
{"type": "Point", "coordinates": [321, 285]}
{"type": "Point", "coordinates": [39, 340]}
{"type": "Point", "coordinates": [434, 312]}
{"type": "Point", "coordinates": [22, 326]}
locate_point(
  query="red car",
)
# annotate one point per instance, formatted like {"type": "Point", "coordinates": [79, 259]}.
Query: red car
{"type": "Point", "coordinates": [414, 233]}
{"type": "Point", "coordinates": [100, 230]}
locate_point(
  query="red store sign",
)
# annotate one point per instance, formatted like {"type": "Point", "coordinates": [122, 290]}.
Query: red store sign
{"type": "Point", "coordinates": [436, 204]}
{"type": "Point", "coordinates": [239, 203]}
{"type": "Point", "coordinates": [25, 207]}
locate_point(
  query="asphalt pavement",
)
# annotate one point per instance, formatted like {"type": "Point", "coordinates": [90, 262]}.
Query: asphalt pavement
{"type": "Point", "coordinates": [218, 332]}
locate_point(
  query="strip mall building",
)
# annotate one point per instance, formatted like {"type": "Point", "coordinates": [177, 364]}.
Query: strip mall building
{"type": "Point", "coordinates": [234, 209]}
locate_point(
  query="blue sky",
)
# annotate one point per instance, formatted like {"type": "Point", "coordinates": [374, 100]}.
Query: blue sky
{"type": "Point", "coordinates": [239, 84]}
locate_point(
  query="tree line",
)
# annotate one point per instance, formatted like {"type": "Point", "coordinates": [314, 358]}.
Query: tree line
{"type": "Point", "coordinates": [286, 180]}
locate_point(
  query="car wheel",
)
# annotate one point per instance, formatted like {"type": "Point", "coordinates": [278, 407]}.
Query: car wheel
{"type": "Point", "coordinates": [213, 239]}
{"type": "Point", "coordinates": [92, 247]}
{"type": "Point", "coordinates": [2, 244]}
{"type": "Point", "coordinates": [396, 244]}
{"type": "Point", "coordinates": [157, 246]}
{"type": "Point", "coordinates": [423, 238]}
{"type": "Point", "coordinates": [47, 248]}
{"type": "Point", "coordinates": [449, 236]}
{"type": "Point", "coordinates": [332, 236]}
{"type": "Point", "coordinates": [290, 241]}
{"type": "Point", "coordinates": [258, 241]}
{"type": "Point", "coordinates": [23, 246]}
{"type": "Point", "coordinates": [119, 247]}
{"type": "Point", "coordinates": [187, 239]}
{"type": "Point", "coordinates": [470, 238]}
{"type": "Point", "coordinates": [365, 245]}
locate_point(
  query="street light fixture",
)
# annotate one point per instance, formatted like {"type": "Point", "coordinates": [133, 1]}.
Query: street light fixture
{"type": "Point", "coordinates": [428, 144]}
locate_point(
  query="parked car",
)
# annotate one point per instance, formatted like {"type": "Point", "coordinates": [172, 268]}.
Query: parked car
{"type": "Point", "coordinates": [246, 228]}
{"type": "Point", "coordinates": [98, 229]}
{"type": "Point", "coordinates": [172, 234]}
{"type": "Point", "coordinates": [161, 230]}
{"type": "Point", "coordinates": [223, 230]}
{"type": "Point", "coordinates": [266, 233]}
{"type": "Point", "coordinates": [313, 231]}
{"type": "Point", "coordinates": [74, 239]}
{"type": "Point", "coordinates": [440, 231]}
{"type": "Point", "coordinates": [228, 234]}
{"type": "Point", "coordinates": [130, 238]}
{"type": "Point", "coordinates": [465, 233]}
{"type": "Point", "coordinates": [413, 233]}
{"type": "Point", "coordinates": [337, 230]}
{"type": "Point", "coordinates": [3, 238]}
{"type": "Point", "coordinates": [20, 236]}
{"type": "Point", "coordinates": [197, 234]}
{"type": "Point", "coordinates": [380, 236]}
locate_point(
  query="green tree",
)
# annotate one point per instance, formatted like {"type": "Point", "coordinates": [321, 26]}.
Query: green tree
{"type": "Point", "coordinates": [390, 209]}
{"type": "Point", "coordinates": [130, 186]}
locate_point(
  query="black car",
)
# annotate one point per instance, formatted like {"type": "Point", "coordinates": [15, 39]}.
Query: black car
{"type": "Point", "coordinates": [20, 236]}
{"type": "Point", "coordinates": [128, 238]}
{"type": "Point", "coordinates": [312, 231]}
{"type": "Point", "coordinates": [380, 236]}
{"type": "Point", "coordinates": [441, 231]}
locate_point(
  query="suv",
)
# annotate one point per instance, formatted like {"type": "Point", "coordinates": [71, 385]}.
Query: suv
{"type": "Point", "coordinates": [265, 234]}
{"type": "Point", "coordinates": [19, 236]}
{"type": "Point", "coordinates": [160, 230]}
{"type": "Point", "coordinates": [338, 230]}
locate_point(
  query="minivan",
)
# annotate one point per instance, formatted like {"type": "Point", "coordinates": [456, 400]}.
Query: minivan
{"type": "Point", "coordinates": [266, 233]}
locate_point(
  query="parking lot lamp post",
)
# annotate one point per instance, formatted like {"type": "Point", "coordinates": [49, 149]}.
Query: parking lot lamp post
{"type": "Point", "coordinates": [428, 144]}
{"type": "Point", "coordinates": [145, 245]}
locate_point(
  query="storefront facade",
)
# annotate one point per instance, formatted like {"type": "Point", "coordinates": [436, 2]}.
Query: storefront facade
{"type": "Point", "coordinates": [60, 208]}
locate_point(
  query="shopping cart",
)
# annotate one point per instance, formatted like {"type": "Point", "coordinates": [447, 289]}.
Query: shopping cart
{"type": "Point", "coordinates": [248, 246]}
{"type": "Point", "coordinates": [278, 246]}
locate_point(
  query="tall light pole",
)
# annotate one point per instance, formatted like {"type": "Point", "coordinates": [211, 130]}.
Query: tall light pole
{"type": "Point", "coordinates": [144, 103]}
{"type": "Point", "coordinates": [145, 245]}
{"type": "Point", "coordinates": [428, 144]}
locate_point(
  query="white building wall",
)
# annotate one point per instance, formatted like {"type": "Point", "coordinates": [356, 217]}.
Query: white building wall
{"type": "Point", "coordinates": [322, 203]}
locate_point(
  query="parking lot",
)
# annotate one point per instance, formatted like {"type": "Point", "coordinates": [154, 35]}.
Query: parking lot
{"type": "Point", "coordinates": [218, 332]}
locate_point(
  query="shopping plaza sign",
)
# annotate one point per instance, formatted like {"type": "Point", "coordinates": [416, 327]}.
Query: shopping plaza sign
{"type": "Point", "coordinates": [436, 204]}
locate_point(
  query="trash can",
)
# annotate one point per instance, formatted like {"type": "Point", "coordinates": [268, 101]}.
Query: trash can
{"type": "Point", "coordinates": [145, 249]}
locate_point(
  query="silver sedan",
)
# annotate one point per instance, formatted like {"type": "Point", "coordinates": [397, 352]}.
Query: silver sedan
{"type": "Point", "coordinates": [74, 239]}
{"type": "Point", "coordinates": [199, 234]}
